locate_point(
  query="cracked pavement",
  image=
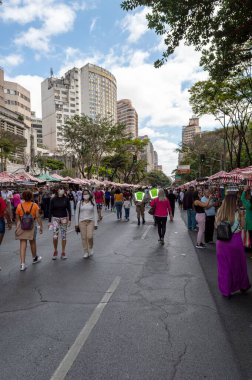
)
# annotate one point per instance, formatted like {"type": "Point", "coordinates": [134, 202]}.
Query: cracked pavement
{"type": "Point", "coordinates": [161, 323]}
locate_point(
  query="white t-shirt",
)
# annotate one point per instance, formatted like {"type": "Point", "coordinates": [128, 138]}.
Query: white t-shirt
{"type": "Point", "coordinates": [86, 211]}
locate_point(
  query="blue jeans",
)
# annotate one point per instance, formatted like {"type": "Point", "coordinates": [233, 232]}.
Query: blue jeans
{"type": "Point", "coordinates": [127, 212]}
{"type": "Point", "coordinates": [118, 206]}
{"type": "Point", "coordinates": [191, 219]}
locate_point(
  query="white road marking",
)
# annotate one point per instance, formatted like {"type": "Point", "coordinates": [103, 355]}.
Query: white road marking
{"type": "Point", "coordinates": [146, 232]}
{"type": "Point", "coordinates": [81, 339]}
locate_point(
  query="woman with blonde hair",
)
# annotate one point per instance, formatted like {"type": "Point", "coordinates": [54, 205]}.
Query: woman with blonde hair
{"type": "Point", "coordinates": [231, 260]}
{"type": "Point", "coordinates": [162, 207]}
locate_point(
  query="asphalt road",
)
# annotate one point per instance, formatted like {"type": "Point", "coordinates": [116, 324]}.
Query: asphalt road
{"type": "Point", "coordinates": [135, 310]}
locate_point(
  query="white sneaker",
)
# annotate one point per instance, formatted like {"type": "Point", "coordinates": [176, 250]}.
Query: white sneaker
{"type": "Point", "coordinates": [85, 256]}
{"type": "Point", "coordinates": [22, 267]}
{"type": "Point", "coordinates": [91, 252]}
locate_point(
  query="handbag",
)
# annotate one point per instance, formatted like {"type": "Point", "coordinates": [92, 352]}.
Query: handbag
{"type": "Point", "coordinates": [152, 210]}
{"type": "Point", "coordinates": [224, 232]}
{"type": "Point", "coordinates": [77, 228]}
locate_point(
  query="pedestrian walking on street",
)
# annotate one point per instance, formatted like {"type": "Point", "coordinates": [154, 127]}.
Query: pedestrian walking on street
{"type": "Point", "coordinates": [46, 197]}
{"type": "Point", "coordinates": [199, 208]}
{"type": "Point", "coordinates": [15, 201]}
{"type": "Point", "coordinates": [27, 218]}
{"type": "Point", "coordinates": [172, 199]}
{"type": "Point", "coordinates": [246, 199]}
{"type": "Point", "coordinates": [99, 200]}
{"type": "Point", "coordinates": [86, 220]}
{"type": "Point", "coordinates": [118, 197]}
{"type": "Point", "coordinates": [140, 205]}
{"type": "Point", "coordinates": [210, 216]}
{"type": "Point", "coordinates": [107, 196]}
{"type": "Point", "coordinates": [4, 214]}
{"type": "Point", "coordinates": [162, 208]}
{"type": "Point", "coordinates": [231, 259]}
{"type": "Point", "coordinates": [188, 206]}
{"type": "Point", "coordinates": [71, 197]}
{"type": "Point", "coordinates": [59, 220]}
{"type": "Point", "coordinates": [126, 205]}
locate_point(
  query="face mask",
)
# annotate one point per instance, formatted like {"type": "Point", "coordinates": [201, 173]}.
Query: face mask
{"type": "Point", "coordinates": [86, 197]}
{"type": "Point", "coordinates": [61, 192]}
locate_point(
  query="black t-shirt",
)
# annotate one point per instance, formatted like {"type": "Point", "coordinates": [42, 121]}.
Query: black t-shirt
{"type": "Point", "coordinates": [59, 208]}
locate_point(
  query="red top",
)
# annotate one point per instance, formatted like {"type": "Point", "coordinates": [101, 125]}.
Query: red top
{"type": "Point", "coordinates": [2, 207]}
{"type": "Point", "coordinates": [98, 197]}
{"type": "Point", "coordinates": [161, 207]}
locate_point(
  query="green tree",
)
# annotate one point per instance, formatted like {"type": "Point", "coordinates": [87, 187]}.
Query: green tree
{"type": "Point", "coordinates": [89, 140]}
{"type": "Point", "coordinates": [157, 178]}
{"type": "Point", "coordinates": [125, 160]}
{"type": "Point", "coordinates": [49, 163]}
{"type": "Point", "coordinates": [230, 102]}
{"type": "Point", "coordinates": [224, 26]}
{"type": "Point", "coordinates": [9, 144]}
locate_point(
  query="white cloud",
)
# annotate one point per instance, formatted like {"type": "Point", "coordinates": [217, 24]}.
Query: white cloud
{"type": "Point", "coordinates": [136, 25]}
{"type": "Point", "coordinates": [33, 84]}
{"type": "Point", "coordinates": [11, 60]}
{"type": "Point", "coordinates": [55, 18]}
{"type": "Point", "coordinates": [93, 24]}
{"type": "Point", "coordinates": [167, 156]}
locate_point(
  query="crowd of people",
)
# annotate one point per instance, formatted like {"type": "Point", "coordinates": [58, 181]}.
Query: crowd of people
{"type": "Point", "coordinates": [205, 213]}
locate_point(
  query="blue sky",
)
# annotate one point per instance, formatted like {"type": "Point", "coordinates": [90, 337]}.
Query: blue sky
{"type": "Point", "coordinates": [36, 35]}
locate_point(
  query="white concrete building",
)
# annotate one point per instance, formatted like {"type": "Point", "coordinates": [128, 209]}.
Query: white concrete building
{"type": "Point", "coordinates": [126, 114]}
{"type": "Point", "coordinates": [60, 100]}
{"type": "Point", "coordinates": [90, 90]}
{"type": "Point", "coordinates": [36, 124]}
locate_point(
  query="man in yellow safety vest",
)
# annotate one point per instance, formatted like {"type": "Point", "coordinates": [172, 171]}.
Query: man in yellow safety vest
{"type": "Point", "coordinates": [140, 204]}
{"type": "Point", "coordinates": [153, 194]}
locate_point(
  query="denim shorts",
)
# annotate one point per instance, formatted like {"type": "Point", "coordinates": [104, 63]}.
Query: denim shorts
{"type": "Point", "coordinates": [2, 226]}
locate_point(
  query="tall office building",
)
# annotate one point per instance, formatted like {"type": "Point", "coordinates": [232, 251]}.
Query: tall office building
{"type": "Point", "coordinates": [36, 124]}
{"type": "Point", "coordinates": [126, 114]}
{"type": "Point", "coordinates": [90, 90]}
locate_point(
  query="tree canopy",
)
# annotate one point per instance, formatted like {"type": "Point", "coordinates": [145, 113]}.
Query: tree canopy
{"type": "Point", "coordinates": [157, 178]}
{"type": "Point", "coordinates": [221, 29]}
{"type": "Point", "coordinates": [230, 102]}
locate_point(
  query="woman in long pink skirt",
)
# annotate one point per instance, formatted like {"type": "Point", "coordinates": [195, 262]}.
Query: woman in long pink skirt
{"type": "Point", "coordinates": [231, 259]}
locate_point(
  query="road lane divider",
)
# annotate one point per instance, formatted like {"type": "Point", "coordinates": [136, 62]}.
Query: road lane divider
{"type": "Point", "coordinates": [146, 232]}
{"type": "Point", "coordinates": [81, 339]}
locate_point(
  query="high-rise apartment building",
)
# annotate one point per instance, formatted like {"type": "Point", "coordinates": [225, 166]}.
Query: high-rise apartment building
{"type": "Point", "coordinates": [190, 130]}
{"type": "Point", "coordinates": [98, 92]}
{"type": "Point", "coordinates": [36, 124]}
{"type": "Point", "coordinates": [148, 154]}
{"type": "Point", "coordinates": [155, 160]}
{"type": "Point", "coordinates": [127, 115]}
{"type": "Point", "coordinates": [17, 99]}
{"type": "Point", "coordinates": [15, 118]}
{"type": "Point", "coordinates": [90, 90]}
{"type": "Point", "coordinates": [1, 88]}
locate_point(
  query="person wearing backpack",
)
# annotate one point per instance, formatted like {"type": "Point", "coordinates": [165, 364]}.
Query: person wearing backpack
{"type": "Point", "coordinates": [27, 215]}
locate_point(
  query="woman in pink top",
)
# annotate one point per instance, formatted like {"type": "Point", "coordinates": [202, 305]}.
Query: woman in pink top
{"type": "Point", "coordinates": [162, 208]}
{"type": "Point", "coordinates": [15, 202]}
